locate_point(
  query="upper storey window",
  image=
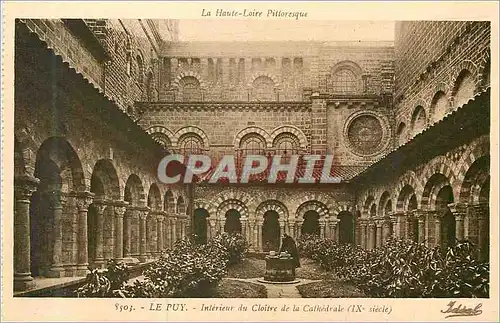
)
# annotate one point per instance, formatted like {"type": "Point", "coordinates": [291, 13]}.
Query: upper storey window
{"type": "Point", "coordinates": [345, 78]}
{"type": "Point", "coordinates": [253, 144]}
{"type": "Point", "coordinates": [189, 89]}
{"type": "Point", "coordinates": [344, 81]}
{"type": "Point", "coordinates": [190, 144]}
{"type": "Point", "coordinates": [263, 89]}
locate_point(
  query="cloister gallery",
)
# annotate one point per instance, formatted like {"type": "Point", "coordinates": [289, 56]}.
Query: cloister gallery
{"type": "Point", "coordinates": [98, 104]}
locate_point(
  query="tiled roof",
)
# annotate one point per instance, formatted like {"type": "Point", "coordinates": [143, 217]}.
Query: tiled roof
{"type": "Point", "coordinates": [341, 173]}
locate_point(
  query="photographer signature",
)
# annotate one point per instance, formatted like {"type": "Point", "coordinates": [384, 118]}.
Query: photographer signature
{"type": "Point", "coordinates": [455, 309]}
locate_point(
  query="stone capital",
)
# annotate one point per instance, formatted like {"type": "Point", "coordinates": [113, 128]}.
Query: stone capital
{"type": "Point", "coordinates": [458, 208]}
{"type": "Point", "coordinates": [160, 216]}
{"type": "Point", "coordinates": [418, 214]}
{"type": "Point", "coordinates": [24, 186]}
{"type": "Point", "coordinates": [100, 205]}
{"type": "Point", "coordinates": [83, 200]}
{"type": "Point", "coordinates": [120, 208]}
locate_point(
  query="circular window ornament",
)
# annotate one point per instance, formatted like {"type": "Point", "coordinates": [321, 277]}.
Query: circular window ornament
{"type": "Point", "coordinates": [366, 133]}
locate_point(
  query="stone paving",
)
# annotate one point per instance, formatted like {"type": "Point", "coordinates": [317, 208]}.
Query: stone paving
{"type": "Point", "coordinates": [278, 290]}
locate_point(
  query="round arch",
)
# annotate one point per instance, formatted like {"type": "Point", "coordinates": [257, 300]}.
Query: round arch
{"type": "Point", "coordinates": [249, 130]}
{"type": "Point", "coordinates": [292, 130]}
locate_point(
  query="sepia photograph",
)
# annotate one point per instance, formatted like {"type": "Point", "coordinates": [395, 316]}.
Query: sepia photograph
{"type": "Point", "coordinates": [247, 158]}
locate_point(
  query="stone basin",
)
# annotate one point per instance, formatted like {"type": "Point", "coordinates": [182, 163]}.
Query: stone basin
{"type": "Point", "coordinates": [279, 269]}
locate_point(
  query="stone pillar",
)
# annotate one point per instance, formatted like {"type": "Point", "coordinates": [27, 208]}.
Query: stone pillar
{"type": "Point", "coordinates": [83, 201]}
{"type": "Point", "coordinates": [212, 227]}
{"type": "Point", "coordinates": [120, 208]}
{"type": "Point", "coordinates": [254, 235]}
{"type": "Point", "coordinates": [160, 218]}
{"type": "Point", "coordinates": [357, 233]}
{"type": "Point", "coordinates": [331, 224]}
{"type": "Point", "coordinates": [362, 234]}
{"type": "Point", "coordinates": [480, 213]}
{"type": "Point", "coordinates": [143, 215]}
{"type": "Point", "coordinates": [127, 237]}
{"type": "Point", "coordinates": [337, 231]}
{"type": "Point", "coordinates": [243, 220]}
{"type": "Point", "coordinates": [322, 225]}
{"type": "Point", "coordinates": [380, 236]}
{"type": "Point", "coordinates": [386, 230]}
{"type": "Point", "coordinates": [153, 244]}
{"type": "Point", "coordinates": [437, 228]}
{"type": "Point", "coordinates": [291, 228]}
{"type": "Point", "coordinates": [298, 228]}
{"type": "Point", "coordinates": [259, 236]}
{"type": "Point", "coordinates": [371, 241]}
{"type": "Point", "coordinates": [459, 210]}
{"type": "Point", "coordinates": [57, 201]}
{"type": "Point", "coordinates": [24, 186]}
{"type": "Point", "coordinates": [100, 206]}
{"type": "Point", "coordinates": [408, 231]}
{"type": "Point", "coordinates": [420, 216]}
{"type": "Point", "coordinates": [282, 228]}
{"type": "Point", "coordinates": [397, 225]}
{"type": "Point", "coordinates": [174, 229]}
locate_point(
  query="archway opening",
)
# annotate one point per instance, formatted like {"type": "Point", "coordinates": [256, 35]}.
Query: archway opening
{"type": "Point", "coordinates": [200, 225]}
{"type": "Point", "coordinates": [271, 231]}
{"type": "Point", "coordinates": [413, 225]}
{"type": "Point", "coordinates": [346, 227]}
{"type": "Point", "coordinates": [233, 223]}
{"type": "Point", "coordinates": [310, 226]}
{"type": "Point", "coordinates": [448, 225]}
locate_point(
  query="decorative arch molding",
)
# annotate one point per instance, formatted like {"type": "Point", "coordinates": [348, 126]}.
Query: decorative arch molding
{"type": "Point", "coordinates": [478, 149]}
{"type": "Point", "coordinates": [459, 68]}
{"type": "Point", "coordinates": [312, 205]}
{"type": "Point", "coordinates": [250, 130]}
{"type": "Point", "coordinates": [421, 102]}
{"type": "Point", "coordinates": [441, 87]}
{"type": "Point", "coordinates": [160, 130]}
{"type": "Point", "coordinates": [256, 75]}
{"type": "Point", "coordinates": [347, 65]}
{"type": "Point", "coordinates": [439, 165]}
{"type": "Point", "coordinates": [272, 205]}
{"type": "Point", "coordinates": [229, 204]}
{"type": "Point", "coordinates": [205, 204]}
{"type": "Point", "coordinates": [383, 200]}
{"type": "Point", "coordinates": [409, 179]}
{"type": "Point", "coordinates": [190, 129]}
{"type": "Point", "coordinates": [289, 129]}
{"type": "Point", "coordinates": [223, 196]}
{"type": "Point", "coordinates": [175, 83]}
{"type": "Point", "coordinates": [344, 207]}
{"type": "Point", "coordinates": [367, 203]}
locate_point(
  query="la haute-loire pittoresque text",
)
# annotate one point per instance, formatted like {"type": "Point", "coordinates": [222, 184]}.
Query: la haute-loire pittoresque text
{"type": "Point", "coordinates": [254, 13]}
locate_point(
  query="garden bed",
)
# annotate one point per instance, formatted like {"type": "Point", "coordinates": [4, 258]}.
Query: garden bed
{"type": "Point", "coordinates": [247, 268]}
{"type": "Point", "coordinates": [229, 288]}
{"type": "Point", "coordinates": [329, 289]}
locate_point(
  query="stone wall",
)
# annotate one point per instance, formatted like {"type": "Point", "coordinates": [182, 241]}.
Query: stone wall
{"type": "Point", "coordinates": [439, 65]}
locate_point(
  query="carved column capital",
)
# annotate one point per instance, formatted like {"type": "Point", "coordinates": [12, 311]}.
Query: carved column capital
{"type": "Point", "coordinates": [83, 200]}
{"type": "Point", "coordinates": [120, 207]}
{"type": "Point", "coordinates": [24, 186]}
{"type": "Point", "coordinates": [458, 208]}
{"type": "Point", "coordinates": [100, 206]}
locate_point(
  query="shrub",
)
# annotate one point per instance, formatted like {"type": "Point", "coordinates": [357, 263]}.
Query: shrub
{"type": "Point", "coordinates": [105, 283]}
{"type": "Point", "coordinates": [188, 269]}
{"type": "Point", "coordinates": [403, 268]}
{"type": "Point", "coordinates": [233, 245]}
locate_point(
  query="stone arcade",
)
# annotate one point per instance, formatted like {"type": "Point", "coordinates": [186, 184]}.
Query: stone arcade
{"type": "Point", "coordinates": [107, 99]}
